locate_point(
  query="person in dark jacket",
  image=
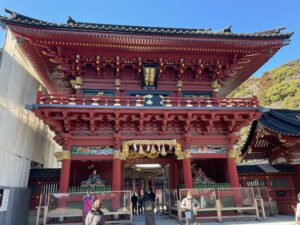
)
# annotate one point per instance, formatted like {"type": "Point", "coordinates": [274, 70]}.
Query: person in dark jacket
{"type": "Point", "coordinates": [141, 204]}
{"type": "Point", "coordinates": [95, 215]}
{"type": "Point", "coordinates": [134, 200]}
{"type": "Point", "coordinates": [152, 195]}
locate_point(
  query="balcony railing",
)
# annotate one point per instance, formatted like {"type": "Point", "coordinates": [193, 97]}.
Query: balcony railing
{"type": "Point", "coordinates": [139, 101]}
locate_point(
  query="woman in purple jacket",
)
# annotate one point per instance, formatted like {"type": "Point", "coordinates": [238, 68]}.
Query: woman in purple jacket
{"type": "Point", "coordinates": [87, 203]}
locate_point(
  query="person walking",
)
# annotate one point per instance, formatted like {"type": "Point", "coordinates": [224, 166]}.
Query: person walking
{"type": "Point", "coordinates": [87, 203]}
{"type": "Point", "coordinates": [140, 205]}
{"type": "Point", "coordinates": [95, 215]}
{"type": "Point", "coordinates": [134, 200]}
{"type": "Point", "coordinates": [152, 196]}
{"type": "Point", "coordinates": [190, 205]}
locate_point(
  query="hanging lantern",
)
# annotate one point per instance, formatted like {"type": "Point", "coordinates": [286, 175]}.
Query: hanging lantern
{"type": "Point", "coordinates": [163, 151]}
{"type": "Point", "coordinates": [153, 149]}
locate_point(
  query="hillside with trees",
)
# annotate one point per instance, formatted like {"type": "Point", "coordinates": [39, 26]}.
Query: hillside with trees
{"type": "Point", "coordinates": [278, 88]}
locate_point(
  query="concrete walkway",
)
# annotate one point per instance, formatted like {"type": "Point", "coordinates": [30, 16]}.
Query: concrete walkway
{"type": "Point", "coordinates": [165, 220]}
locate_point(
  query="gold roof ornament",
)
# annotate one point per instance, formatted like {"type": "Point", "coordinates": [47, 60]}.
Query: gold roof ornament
{"type": "Point", "coordinates": [179, 84]}
{"type": "Point", "coordinates": [153, 149]}
{"type": "Point", "coordinates": [62, 155]}
{"type": "Point", "coordinates": [215, 86]}
{"type": "Point", "coordinates": [261, 131]}
{"type": "Point", "coordinates": [78, 80]}
{"type": "Point", "coordinates": [235, 154]}
{"type": "Point", "coordinates": [77, 83]}
{"type": "Point", "coordinates": [117, 83]}
{"type": "Point", "coordinates": [281, 139]}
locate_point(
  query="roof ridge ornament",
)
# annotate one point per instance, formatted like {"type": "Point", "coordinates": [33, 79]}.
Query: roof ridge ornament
{"type": "Point", "coordinates": [71, 22]}
{"type": "Point", "coordinates": [13, 15]}
{"type": "Point", "coordinates": [226, 29]}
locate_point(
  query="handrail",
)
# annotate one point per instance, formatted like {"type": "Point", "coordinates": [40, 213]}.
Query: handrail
{"type": "Point", "coordinates": [139, 101]}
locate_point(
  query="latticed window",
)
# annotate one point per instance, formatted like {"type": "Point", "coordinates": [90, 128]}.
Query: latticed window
{"type": "Point", "coordinates": [279, 182]}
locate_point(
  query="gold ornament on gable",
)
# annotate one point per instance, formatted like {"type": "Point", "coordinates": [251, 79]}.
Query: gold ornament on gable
{"type": "Point", "coordinates": [62, 155]}
{"type": "Point", "coordinates": [151, 149]}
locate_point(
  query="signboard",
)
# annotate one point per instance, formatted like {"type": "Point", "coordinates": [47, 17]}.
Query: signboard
{"type": "Point", "coordinates": [91, 150]}
{"type": "Point", "coordinates": [4, 196]}
{"type": "Point", "coordinates": [208, 149]}
{"type": "Point", "coordinates": [150, 76]}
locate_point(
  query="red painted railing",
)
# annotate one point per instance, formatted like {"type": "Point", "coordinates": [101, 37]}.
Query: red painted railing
{"type": "Point", "coordinates": [139, 101]}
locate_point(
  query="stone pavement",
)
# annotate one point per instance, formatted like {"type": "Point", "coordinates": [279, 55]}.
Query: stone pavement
{"type": "Point", "coordinates": [164, 220]}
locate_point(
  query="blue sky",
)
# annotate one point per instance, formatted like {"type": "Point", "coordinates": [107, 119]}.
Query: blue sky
{"type": "Point", "coordinates": [243, 15]}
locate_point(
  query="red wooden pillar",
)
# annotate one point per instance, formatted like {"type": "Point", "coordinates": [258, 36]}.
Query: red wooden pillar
{"type": "Point", "coordinates": [231, 165]}
{"type": "Point", "coordinates": [232, 173]}
{"type": "Point", "coordinates": [64, 176]}
{"type": "Point", "coordinates": [233, 178]}
{"type": "Point", "coordinates": [116, 182]}
{"type": "Point", "coordinates": [117, 172]}
{"type": "Point", "coordinates": [175, 174]}
{"type": "Point", "coordinates": [187, 171]}
{"type": "Point", "coordinates": [187, 168]}
{"type": "Point", "coordinates": [65, 169]}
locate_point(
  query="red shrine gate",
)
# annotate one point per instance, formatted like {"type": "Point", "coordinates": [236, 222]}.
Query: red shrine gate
{"type": "Point", "coordinates": [123, 95]}
{"type": "Point", "coordinates": [111, 152]}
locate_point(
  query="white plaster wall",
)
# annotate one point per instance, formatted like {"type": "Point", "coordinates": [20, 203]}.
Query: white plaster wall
{"type": "Point", "coordinates": [23, 137]}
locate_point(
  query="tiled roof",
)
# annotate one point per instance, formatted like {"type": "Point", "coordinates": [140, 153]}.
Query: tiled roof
{"type": "Point", "coordinates": [285, 168]}
{"type": "Point", "coordinates": [255, 156]}
{"type": "Point", "coordinates": [44, 175]}
{"type": "Point", "coordinates": [249, 169]}
{"type": "Point", "coordinates": [16, 18]}
{"type": "Point", "coordinates": [282, 121]}
{"type": "Point", "coordinates": [256, 169]}
{"type": "Point", "coordinates": [250, 137]}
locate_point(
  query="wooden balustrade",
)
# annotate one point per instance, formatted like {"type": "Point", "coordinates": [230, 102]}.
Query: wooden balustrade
{"type": "Point", "coordinates": [138, 101]}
